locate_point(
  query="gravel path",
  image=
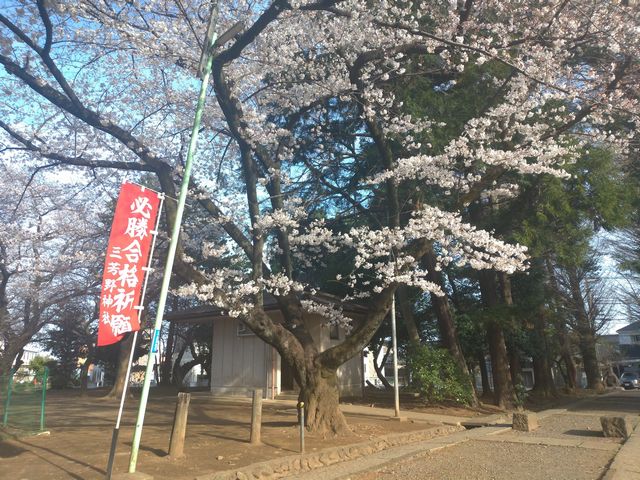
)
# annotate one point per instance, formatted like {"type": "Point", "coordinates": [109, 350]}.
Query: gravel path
{"type": "Point", "coordinates": [569, 445]}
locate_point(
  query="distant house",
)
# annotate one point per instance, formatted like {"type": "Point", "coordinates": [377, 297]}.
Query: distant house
{"type": "Point", "coordinates": [371, 377]}
{"type": "Point", "coordinates": [629, 335]}
{"type": "Point", "coordinates": [241, 362]}
{"type": "Point", "coordinates": [29, 354]}
{"type": "Point", "coordinates": [628, 348]}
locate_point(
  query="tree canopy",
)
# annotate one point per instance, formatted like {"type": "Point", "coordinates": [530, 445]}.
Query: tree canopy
{"type": "Point", "coordinates": [308, 131]}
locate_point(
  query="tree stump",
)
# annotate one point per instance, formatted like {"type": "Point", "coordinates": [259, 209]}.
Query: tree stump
{"type": "Point", "coordinates": [525, 421]}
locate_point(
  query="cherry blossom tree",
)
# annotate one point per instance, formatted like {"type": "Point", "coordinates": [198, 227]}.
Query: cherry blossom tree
{"type": "Point", "coordinates": [109, 85]}
{"type": "Point", "coordinates": [47, 259]}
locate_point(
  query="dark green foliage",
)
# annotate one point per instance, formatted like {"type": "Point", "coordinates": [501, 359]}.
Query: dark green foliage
{"type": "Point", "coordinates": [38, 365]}
{"type": "Point", "coordinates": [563, 215]}
{"type": "Point", "coordinates": [61, 376]}
{"type": "Point", "coordinates": [69, 341]}
{"type": "Point", "coordinates": [436, 376]}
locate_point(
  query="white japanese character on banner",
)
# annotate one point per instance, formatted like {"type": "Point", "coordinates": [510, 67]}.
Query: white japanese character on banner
{"type": "Point", "coordinates": [142, 206]}
{"type": "Point", "coordinates": [134, 251]}
{"type": "Point", "coordinates": [120, 324]}
{"type": "Point", "coordinates": [106, 319]}
{"type": "Point", "coordinates": [137, 227]}
{"type": "Point", "coordinates": [113, 268]}
{"type": "Point", "coordinates": [107, 300]}
{"type": "Point", "coordinates": [109, 284]}
{"type": "Point", "coordinates": [115, 252]}
{"type": "Point", "coordinates": [122, 300]}
{"type": "Point", "coordinates": [127, 276]}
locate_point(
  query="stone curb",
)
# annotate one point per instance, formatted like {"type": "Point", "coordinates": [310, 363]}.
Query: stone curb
{"type": "Point", "coordinates": [281, 467]}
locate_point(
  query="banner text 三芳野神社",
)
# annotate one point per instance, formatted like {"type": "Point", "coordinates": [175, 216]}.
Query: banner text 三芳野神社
{"type": "Point", "coordinates": [124, 268]}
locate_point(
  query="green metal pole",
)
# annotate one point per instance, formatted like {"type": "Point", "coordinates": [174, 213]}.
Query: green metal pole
{"type": "Point", "coordinates": [45, 377]}
{"type": "Point", "coordinates": [174, 242]}
{"type": "Point", "coordinates": [7, 403]}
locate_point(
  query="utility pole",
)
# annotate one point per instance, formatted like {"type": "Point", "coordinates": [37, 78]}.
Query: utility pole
{"type": "Point", "coordinates": [206, 62]}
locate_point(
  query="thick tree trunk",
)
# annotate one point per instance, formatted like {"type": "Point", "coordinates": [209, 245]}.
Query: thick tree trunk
{"type": "Point", "coordinates": [504, 396]}
{"type": "Point", "coordinates": [484, 376]}
{"type": "Point", "coordinates": [315, 371]}
{"type": "Point", "coordinates": [543, 380]}
{"type": "Point", "coordinates": [503, 393]}
{"type": "Point", "coordinates": [543, 384]}
{"type": "Point", "coordinates": [167, 363]}
{"type": "Point", "coordinates": [409, 319]}
{"type": "Point", "coordinates": [572, 371]}
{"type": "Point", "coordinates": [6, 362]}
{"type": "Point", "coordinates": [567, 358]}
{"type": "Point", "coordinates": [587, 345]}
{"type": "Point", "coordinates": [319, 393]}
{"type": "Point", "coordinates": [571, 375]}
{"type": "Point", "coordinates": [515, 367]}
{"type": "Point", "coordinates": [12, 356]}
{"type": "Point", "coordinates": [123, 360]}
{"type": "Point", "coordinates": [586, 335]}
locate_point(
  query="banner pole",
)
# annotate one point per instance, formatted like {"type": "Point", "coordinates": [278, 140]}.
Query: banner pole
{"type": "Point", "coordinates": [45, 379]}
{"type": "Point", "coordinates": [175, 232]}
{"type": "Point", "coordinates": [116, 429]}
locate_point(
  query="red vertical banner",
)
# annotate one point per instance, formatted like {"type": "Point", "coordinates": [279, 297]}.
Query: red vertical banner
{"type": "Point", "coordinates": [124, 267]}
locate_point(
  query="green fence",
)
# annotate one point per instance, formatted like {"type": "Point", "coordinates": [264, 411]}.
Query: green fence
{"type": "Point", "coordinates": [23, 394]}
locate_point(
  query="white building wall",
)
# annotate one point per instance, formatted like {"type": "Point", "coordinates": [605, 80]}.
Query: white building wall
{"type": "Point", "coordinates": [241, 363]}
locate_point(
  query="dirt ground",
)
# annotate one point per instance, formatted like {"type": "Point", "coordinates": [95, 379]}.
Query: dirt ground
{"type": "Point", "coordinates": [217, 437]}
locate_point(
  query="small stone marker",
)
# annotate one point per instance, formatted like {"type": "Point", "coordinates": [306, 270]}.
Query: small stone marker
{"type": "Point", "coordinates": [618, 427]}
{"type": "Point", "coordinates": [525, 421]}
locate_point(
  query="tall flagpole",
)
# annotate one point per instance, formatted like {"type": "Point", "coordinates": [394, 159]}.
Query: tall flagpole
{"type": "Point", "coordinates": [116, 430]}
{"type": "Point", "coordinates": [206, 62]}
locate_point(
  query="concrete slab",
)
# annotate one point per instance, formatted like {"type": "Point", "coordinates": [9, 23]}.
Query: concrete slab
{"type": "Point", "coordinates": [131, 476]}
{"type": "Point", "coordinates": [600, 445]}
{"type": "Point", "coordinates": [548, 441]}
{"type": "Point", "coordinates": [399, 419]}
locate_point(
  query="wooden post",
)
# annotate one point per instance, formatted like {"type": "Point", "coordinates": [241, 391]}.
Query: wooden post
{"type": "Point", "coordinates": [176, 445]}
{"type": "Point", "coordinates": [256, 417]}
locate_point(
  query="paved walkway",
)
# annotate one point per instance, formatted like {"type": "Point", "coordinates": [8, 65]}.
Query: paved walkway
{"type": "Point", "coordinates": [568, 445]}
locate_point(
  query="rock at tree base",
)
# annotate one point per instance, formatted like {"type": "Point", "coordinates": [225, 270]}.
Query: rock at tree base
{"type": "Point", "coordinates": [525, 421]}
{"type": "Point", "coordinates": [618, 427]}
